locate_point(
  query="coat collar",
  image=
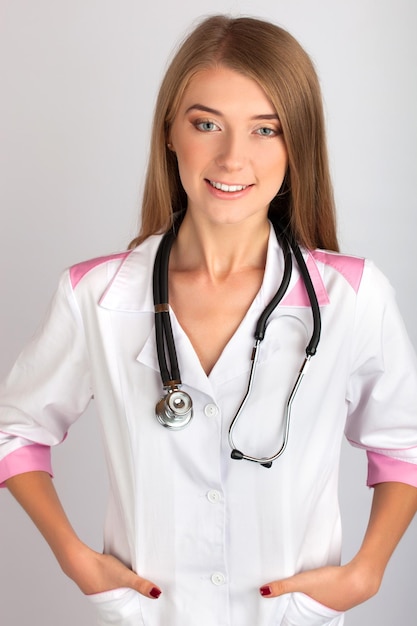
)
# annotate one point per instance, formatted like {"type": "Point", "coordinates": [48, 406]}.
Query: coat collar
{"type": "Point", "coordinates": [130, 290]}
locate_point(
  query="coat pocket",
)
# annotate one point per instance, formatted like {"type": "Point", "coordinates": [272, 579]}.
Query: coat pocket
{"type": "Point", "coordinates": [118, 606]}
{"type": "Point", "coordinates": [304, 611]}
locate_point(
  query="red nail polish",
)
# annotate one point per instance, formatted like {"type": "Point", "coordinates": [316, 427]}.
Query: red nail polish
{"type": "Point", "coordinates": [155, 592]}
{"type": "Point", "coordinates": [265, 590]}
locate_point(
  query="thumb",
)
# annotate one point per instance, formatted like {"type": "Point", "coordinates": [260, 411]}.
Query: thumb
{"type": "Point", "coordinates": [298, 582]}
{"type": "Point", "coordinates": [144, 587]}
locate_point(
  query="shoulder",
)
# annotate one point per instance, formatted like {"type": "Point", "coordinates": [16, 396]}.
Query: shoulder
{"type": "Point", "coordinates": [79, 271]}
{"type": "Point", "coordinates": [350, 268]}
{"type": "Point", "coordinates": [346, 276]}
{"type": "Point", "coordinates": [121, 281]}
{"type": "Point", "coordinates": [103, 269]}
{"type": "Point", "coordinates": [358, 272]}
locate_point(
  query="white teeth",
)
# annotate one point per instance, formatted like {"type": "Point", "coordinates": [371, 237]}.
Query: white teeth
{"type": "Point", "coordinates": [229, 188]}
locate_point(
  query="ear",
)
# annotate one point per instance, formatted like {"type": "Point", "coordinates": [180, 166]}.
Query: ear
{"type": "Point", "coordinates": [170, 147]}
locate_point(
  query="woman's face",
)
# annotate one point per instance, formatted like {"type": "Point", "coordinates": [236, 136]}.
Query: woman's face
{"type": "Point", "coordinates": [230, 149]}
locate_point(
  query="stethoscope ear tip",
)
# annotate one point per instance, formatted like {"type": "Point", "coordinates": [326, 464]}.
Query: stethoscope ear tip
{"type": "Point", "coordinates": [238, 456]}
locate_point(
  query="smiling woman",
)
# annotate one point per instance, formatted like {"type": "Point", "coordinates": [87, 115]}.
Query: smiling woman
{"type": "Point", "coordinates": [285, 75]}
{"type": "Point", "coordinates": [230, 147]}
{"type": "Point", "coordinates": [232, 160]}
{"type": "Point", "coordinates": [237, 181]}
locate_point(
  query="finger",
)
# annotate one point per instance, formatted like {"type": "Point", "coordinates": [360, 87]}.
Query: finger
{"type": "Point", "coordinates": [145, 587]}
{"type": "Point", "coordinates": [125, 577]}
{"type": "Point", "coordinates": [299, 582]}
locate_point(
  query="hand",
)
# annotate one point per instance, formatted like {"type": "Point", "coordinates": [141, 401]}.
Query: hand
{"type": "Point", "coordinates": [94, 572]}
{"type": "Point", "coordinates": [91, 571]}
{"type": "Point", "coordinates": [337, 587]}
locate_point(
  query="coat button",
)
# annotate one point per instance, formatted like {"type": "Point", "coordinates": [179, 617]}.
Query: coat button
{"type": "Point", "coordinates": [218, 578]}
{"type": "Point", "coordinates": [211, 410]}
{"type": "Point", "coordinates": [213, 496]}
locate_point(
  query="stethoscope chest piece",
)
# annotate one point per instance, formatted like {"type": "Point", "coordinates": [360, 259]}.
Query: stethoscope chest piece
{"type": "Point", "coordinates": [175, 409]}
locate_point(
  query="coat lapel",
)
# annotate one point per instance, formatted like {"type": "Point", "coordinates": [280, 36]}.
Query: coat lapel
{"type": "Point", "coordinates": [130, 291]}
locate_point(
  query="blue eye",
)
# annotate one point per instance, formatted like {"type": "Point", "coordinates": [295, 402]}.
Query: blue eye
{"type": "Point", "coordinates": [206, 126]}
{"type": "Point", "coordinates": [266, 132]}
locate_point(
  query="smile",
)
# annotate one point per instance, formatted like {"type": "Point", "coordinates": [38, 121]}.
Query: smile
{"type": "Point", "coordinates": [228, 188]}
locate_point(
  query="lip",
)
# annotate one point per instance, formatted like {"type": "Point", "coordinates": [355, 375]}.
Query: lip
{"type": "Point", "coordinates": [234, 190]}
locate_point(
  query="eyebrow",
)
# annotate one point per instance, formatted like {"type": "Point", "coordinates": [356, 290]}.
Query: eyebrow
{"type": "Point", "coordinates": [202, 107]}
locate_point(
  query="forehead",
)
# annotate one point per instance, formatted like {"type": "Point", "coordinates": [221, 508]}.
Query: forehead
{"type": "Point", "coordinates": [222, 88]}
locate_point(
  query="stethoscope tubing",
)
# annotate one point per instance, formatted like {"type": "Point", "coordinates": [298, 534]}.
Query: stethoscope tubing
{"type": "Point", "coordinates": [170, 374]}
{"type": "Point", "coordinates": [163, 327]}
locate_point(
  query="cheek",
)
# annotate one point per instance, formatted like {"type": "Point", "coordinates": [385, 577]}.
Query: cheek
{"type": "Point", "coordinates": [274, 169]}
{"type": "Point", "coordinates": [188, 169]}
{"type": "Point", "coordinates": [192, 159]}
{"type": "Point", "coordinates": [270, 158]}
{"type": "Point", "coordinates": [184, 162]}
{"type": "Point", "coordinates": [282, 162]}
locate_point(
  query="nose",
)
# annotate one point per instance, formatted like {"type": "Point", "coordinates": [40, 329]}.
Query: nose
{"type": "Point", "coordinates": [232, 153]}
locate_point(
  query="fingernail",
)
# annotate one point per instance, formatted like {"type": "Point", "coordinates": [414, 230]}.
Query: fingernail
{"type": "Point", "coordinates": [155, 592]}
{"type": "Point", "coordinates": [265, 590]}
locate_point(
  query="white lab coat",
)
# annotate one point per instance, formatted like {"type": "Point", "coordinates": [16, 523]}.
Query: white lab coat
{"type": "Point", "coordinates": [208, 529]}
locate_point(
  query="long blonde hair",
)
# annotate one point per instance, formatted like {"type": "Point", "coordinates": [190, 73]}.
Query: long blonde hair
{"type": "Point", "coordinates": [275, 60]}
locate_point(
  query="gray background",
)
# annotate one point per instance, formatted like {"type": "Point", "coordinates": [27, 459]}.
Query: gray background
{"type": "Point", "coordinates": [78, 82]}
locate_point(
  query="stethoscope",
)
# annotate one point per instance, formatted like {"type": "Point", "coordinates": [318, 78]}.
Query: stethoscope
{"type": "Point", "coordinates": [175, 409]}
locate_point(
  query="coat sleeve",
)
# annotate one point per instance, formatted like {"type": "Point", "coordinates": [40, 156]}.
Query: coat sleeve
{"type": "Point", "coordinates": [47, 389]}
{"type": "Point", "coordinates": [382, 390]}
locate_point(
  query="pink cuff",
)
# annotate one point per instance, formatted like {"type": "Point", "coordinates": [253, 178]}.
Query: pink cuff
{"type": "Point", "coordinates": [383, 469]}
{"type": "Point", "coordinates": [31, 458]}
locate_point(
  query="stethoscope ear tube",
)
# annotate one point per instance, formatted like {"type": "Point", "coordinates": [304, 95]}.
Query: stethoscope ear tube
{"type": "Point", "coordinates": [287, 242]}
{"type": "Point", "coordinates": [267, 461]}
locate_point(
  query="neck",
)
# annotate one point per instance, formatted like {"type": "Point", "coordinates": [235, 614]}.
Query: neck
{"type": "Point", "coordinates": [219, 250]}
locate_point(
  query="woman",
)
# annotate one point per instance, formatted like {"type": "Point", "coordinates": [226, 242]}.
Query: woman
{"type": "Point", "coordinates": [237, 155]}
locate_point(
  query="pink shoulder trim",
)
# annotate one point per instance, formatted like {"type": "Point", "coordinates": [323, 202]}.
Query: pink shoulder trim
{"type": "Point", "coordinates": [30, 458]}
{"type": "Point", "coordinates": [383, 469]}
{"type": "Point", "coordinates": [77, 272]}
{"type": "Point", "coordinates": [298, 295]}
{"type": "Point", "coordinates": [350, 267]}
